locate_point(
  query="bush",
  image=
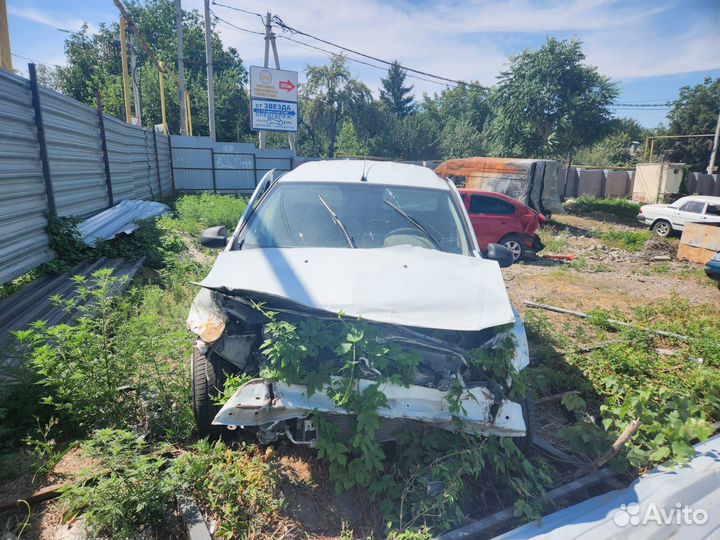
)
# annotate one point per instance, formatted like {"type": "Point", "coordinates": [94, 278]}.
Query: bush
{"type": "Point", "coordinates": [197, 212]}
{"type": "Point", "coordinates": [585, 204]}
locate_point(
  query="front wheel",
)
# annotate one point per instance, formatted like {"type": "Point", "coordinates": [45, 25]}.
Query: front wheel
{"type": "Point", "coordinates": [208, 380]}
{"type": "Point", "coordinates": [514, 243]}
{"type": "Point", "coordinates": [662, 228]}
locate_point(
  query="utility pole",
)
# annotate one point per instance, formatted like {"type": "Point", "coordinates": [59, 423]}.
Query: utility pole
{"type": "Point", "coordinates": [291, 136]}
{"type": "Point", "coordinates": [181, 68]}
{"type": "Point", "coordinates": [210, 79]}
{"type": "Point", "coordinates": [135, 82]}
{"type": "Point", "coordinates": [126, 82]}
{"type": "Point", "coordinates": [713, 154]}
{"type": "Point", "coordinates": [5, 56]}
{"type": "Point", "coordinates": [268, 38]}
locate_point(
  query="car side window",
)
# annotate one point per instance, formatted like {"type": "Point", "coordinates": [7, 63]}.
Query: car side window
{"type": "Point", "coordinates": [480, 204]}
{"type": "Point", "coordinates": [696, 207]}
{"type": "Point", "coordinates": [713, 210]}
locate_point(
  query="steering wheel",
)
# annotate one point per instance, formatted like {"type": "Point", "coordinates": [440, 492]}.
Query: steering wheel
{"type": "Point", "coordinates": [407, 235]}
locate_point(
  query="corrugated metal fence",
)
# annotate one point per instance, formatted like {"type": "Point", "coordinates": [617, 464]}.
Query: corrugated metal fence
{"type": "Point", "coordinates": [53, 160]}
{"type": "Point", "coordinates": [201, 165]}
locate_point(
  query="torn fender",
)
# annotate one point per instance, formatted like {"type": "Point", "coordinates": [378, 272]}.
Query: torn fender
{"type": "Point", "coordinates": [206, 319]}
{"type": "Point", "coordinates": [260, 402]}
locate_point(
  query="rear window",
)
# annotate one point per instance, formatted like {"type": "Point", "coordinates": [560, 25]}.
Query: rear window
{"type": "Point", "coordinates": [696, 207]}
{"type": "Point", "coordinates": [481, 204]}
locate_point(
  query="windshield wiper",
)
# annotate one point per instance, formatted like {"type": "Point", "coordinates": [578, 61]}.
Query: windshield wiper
{"type": "Point", "coordinates": [337, 222]}
{"type": "Point", "coordinates": [415, 223]}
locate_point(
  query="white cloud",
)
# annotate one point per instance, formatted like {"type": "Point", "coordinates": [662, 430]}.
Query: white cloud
{"type": "Point", "coordinates": [50, 19]}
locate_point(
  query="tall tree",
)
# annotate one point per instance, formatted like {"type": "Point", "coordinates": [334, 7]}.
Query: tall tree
{"type": "Point", "coordinates": [330, 96]}
{"type": "Point", "coordinates": [94, 63]}
{"type": "Point", "coordinates": [695, 111]}
{"type": "Point", "coordinates": [394, 95]}
{"type": "Point", "coordinates": [549, 102]}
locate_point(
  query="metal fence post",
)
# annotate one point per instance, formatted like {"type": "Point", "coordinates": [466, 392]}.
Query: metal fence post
{"type": "Point", "coordinates": [212, 162]}
{"type": "Point", "coordinates": [170, 158]}
{"type": "Point", "coordinates": [40, 128]}
{"type": "Point", "coordinates": [157, 163]}
{"type": "Point", "coordinates": [103, 143]}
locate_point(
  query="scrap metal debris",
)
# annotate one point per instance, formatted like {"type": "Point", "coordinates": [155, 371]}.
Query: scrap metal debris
{"type": "Point", "coordinates": [120, 219]}
{"type": "Point", "coordinates": [33, 302]}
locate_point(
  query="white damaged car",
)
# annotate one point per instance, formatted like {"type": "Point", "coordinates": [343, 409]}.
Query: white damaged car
{"type": "Point", "coordinates": [386, 242]}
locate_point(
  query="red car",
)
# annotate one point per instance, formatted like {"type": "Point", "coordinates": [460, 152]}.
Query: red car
{"type": "Point", "coordinates": [500, 219]}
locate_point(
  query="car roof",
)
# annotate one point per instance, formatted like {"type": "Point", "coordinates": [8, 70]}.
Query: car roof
{"type": "Point", "coordinates": [373, 172]}
{"type": "Point", "coordinates": [700, 198]}
{"type": "Point", "coordinates": [502, 196]}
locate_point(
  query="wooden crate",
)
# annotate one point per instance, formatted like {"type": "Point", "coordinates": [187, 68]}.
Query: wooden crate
{"type": "Point", "coordinates": [699, 243]}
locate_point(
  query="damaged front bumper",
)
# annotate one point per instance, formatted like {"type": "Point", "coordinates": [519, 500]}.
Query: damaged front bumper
{"type": "Point", "coordinates": [269, 404]}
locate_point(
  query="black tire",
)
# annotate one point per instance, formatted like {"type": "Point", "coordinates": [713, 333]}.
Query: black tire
{"type": "Point", "coordinates": [525, 443]}
{"type": "Point", "coordinates": [662, 228]}
{"type": "Point", "coordinates": [515, 244]}
{"type": "Point", "coordinates": [208, 378]}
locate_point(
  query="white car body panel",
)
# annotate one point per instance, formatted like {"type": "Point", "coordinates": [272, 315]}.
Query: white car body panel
{"type": "Point", "coordinates": [260, 402]}
{"type": "Point", "coordinates": [405, 285]}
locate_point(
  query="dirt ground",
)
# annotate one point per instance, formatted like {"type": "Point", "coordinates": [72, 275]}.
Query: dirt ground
{"type": "Point", "coordinates": [603, 276]}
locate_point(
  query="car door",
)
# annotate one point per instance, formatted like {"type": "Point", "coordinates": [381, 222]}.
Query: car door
{"type": "Point", "coordinates": [712, 213]}
{"type": "Point", "coordinates": [492, 218]}
{"type": "Point", "coordinates": [690, 212]}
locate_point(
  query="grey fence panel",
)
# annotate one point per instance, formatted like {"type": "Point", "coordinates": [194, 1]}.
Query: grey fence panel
{"type": "Point", "coordinates": [23, 203]}
{"type": "Point", "coordinates": [74, 154]}
{"type": "Point", "coordinates": [163, 155]}
{"type": "Point", "coordinates": [137, 144]}
{"type": "Point", "coordinates": [119, 158]}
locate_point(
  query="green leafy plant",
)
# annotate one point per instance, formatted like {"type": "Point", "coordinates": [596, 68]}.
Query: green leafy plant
{"type": "Point", "coordinates": [133, 494]}
{"type": "Point", "coordinates": [627, 240]}
{"type": "Point", "coordinates": [585, 204]}
{"type": "Point", "coordinates": [236, 486]}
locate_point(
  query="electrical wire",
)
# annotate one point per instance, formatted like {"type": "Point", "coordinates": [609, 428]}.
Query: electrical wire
{"type": "Point", "coordinates": [382, 68]}
{"type": "Point", "coordinates": [240, 10]}
{"type": "Point", "coordinates": [236, 27]}
{"type": "Point", "coordinates": [292, 30]}
{"type": "Point", "coordinates": [35, 61]}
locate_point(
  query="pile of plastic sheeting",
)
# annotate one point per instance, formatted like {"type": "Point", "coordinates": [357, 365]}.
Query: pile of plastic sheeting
{"type": "Point", "coordinates": [120, 219]}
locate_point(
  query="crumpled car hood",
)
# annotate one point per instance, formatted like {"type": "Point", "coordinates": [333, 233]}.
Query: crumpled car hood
{"type": "Point", "coordinates": [403, 285]}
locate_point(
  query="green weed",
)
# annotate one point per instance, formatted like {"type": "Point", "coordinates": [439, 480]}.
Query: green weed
{"type": "Point", "coordinates": [622, 208]}
{"type": "Point", "coordinates": [627, 240]}
{"type": "Point", "coordinates": [197, 212]}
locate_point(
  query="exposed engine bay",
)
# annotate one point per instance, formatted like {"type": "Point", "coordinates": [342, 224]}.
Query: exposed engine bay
{"type": "Point", "coordinates": [229, 325]}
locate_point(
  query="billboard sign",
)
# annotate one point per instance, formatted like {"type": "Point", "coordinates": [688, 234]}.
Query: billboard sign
{"type": "Point", "coordinates": [277, 84]}
{"type": "Point", "coordinates": [270, 115]}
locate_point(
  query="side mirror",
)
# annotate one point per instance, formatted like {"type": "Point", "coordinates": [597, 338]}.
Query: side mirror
{"type": "Point", "coordinates": [501, 254]}
{"type": "Point", "coordinates": [214, 237]}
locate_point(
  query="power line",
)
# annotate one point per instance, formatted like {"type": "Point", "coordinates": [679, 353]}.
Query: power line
{"type": "Point", "coordinates": [240, 10]}
{"type": "Point", "coordinates": [35, 61]}
{"type": "Point", "coordinates": [290, 29]}
{"type": "Point", "coordinates": [287, 28]}
{"type": "Point", "coordinates": [326, 51]}
{"type": "Point", "coordinates": [236, 26]}
{"type": "Point", "coordinates": [382, 68]}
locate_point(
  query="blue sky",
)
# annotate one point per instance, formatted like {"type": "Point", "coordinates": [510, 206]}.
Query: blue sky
{"type": "Point", "coordinates": [651, 48]}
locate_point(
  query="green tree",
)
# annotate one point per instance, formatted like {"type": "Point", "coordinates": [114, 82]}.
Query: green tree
{"type": "Point", "coordinates": [695, 111]}
{"type": "Point", "coordinates": [549, 102]}
{"type": "Point", "coordinates": [394, 95]}
{"type": "Point", "coordinates": [615, 148]}
{"type": "Point", "coordinates": [94, 63]}
{"type": "Point", "coordinates": [330, 96]}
